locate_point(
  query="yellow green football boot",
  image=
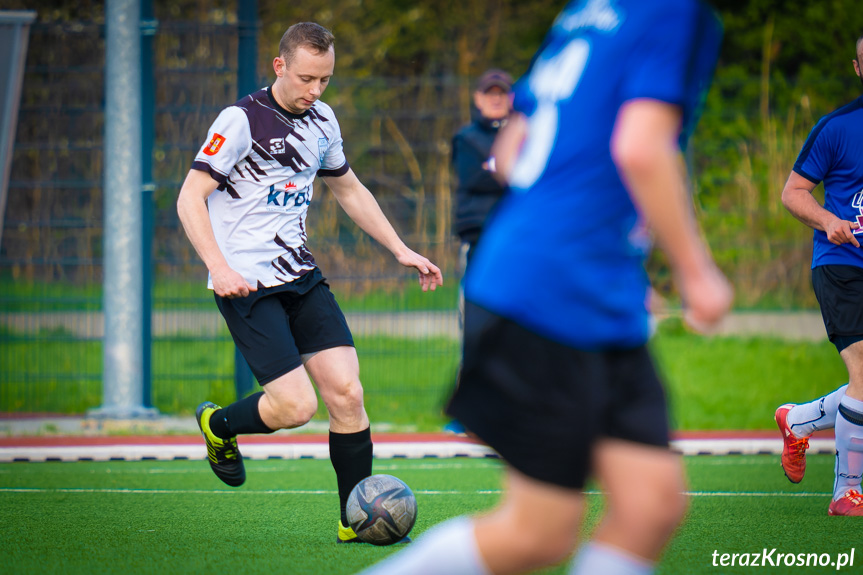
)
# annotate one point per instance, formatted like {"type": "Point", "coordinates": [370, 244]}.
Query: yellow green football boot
{"type": "Point", "coordinates": [346, 535]}
{"type": "Point", "coordinates": [224, 454]}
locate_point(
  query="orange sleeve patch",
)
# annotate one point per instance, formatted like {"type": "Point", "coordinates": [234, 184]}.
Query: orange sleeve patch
{"type": "Point", "coordinates": [215, 144]}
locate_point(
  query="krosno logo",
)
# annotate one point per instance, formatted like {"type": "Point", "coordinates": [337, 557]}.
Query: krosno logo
{"type": "Point", "coordinates": [599, 14]}
{"type": "Point", "coordinates": [857, 202]}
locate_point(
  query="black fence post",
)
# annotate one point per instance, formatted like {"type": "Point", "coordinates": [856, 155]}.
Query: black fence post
{"type": "Point", "coordinates": [247, 82]}
{"type": "Point", "coordinates": [148, 116]}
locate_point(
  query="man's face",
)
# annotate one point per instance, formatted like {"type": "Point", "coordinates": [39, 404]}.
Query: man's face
{"type": "Point", "coordinates": [494, 104]}
{"type": "Point", "coordinates": [302, 81]}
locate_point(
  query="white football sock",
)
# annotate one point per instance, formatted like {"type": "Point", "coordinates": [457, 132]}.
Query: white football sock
{"type": "Point", "coordinates": [597, 557]}
{"type": "Point", "coordinates": [807, 418]}
{"type": "Point", "coordinates": [849, 447]}
{"type": "Point", "coordinates": [448, 549]}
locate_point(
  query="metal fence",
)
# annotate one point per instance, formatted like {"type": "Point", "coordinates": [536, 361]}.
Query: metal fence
{"type": "Point", "coordinates": [51, 281]}
{"type": "Point", "coordinates": [397, 133]}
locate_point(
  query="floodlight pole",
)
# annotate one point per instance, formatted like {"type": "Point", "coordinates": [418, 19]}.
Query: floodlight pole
{"type": "Point", "coordinates": [123, 270]}
{"type": "Point", "coordinates": [14, 36]}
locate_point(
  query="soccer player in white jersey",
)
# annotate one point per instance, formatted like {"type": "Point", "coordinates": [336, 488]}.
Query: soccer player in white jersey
{"type": "Point", "coordinates": [244, 205]}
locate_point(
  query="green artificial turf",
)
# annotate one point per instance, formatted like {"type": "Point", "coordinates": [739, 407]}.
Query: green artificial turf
{"type": "Point", "coordinates": [176, 517]}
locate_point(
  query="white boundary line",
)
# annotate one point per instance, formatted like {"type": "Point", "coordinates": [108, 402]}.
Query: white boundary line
{"type": "Point", "coordinates": [85, 490]}
{"type": "Point", "coordinates": [383, 450]}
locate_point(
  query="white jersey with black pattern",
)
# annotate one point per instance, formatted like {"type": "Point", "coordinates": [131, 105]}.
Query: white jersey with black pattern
{"type": "Point", "coordinates": [266, 160]}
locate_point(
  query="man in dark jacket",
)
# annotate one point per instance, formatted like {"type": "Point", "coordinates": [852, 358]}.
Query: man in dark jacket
{"type": "Point", "coordinates": [478, 191]}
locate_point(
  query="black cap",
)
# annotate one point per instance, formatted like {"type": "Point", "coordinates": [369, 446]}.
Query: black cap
{"type": "Point", "coordinates": [494, 78]}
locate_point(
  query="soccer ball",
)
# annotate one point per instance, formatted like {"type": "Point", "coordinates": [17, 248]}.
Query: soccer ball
{"type": "Point", "coordinates": [381, 509]}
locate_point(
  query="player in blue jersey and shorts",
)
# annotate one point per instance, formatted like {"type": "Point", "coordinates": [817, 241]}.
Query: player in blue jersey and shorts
{"type": "Point", "coordinates": [557, 377]}
{"type": "Point", "coordinates": [244, 205]}
{"type": "Point", "coordinates": [833, 154]}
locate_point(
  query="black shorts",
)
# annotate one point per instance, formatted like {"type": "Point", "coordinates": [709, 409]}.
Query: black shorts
{"type": "Point", "coordinates": [543, 405]}
{"type": "Point", "coordinates": [274, 327]}
{"type": "Point", "coordinates": [839, 290]}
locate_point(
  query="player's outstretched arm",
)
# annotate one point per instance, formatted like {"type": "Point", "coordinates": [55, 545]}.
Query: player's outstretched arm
{"type": "Point", "coordinates": [361, 206]}
{"type": "Point", "coordinates": [644, 147]}
{"type": "Point", "coordinates": [192, 209]}
{"type": "Point", "coordinates": [798, 200]}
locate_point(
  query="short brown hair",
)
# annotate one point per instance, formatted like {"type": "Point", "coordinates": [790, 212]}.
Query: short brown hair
{"type": "Point", "coordinates": [307, 34]}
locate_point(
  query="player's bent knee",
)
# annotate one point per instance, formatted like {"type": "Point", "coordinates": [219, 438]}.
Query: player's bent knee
{"type": "Point", "coordinates": [667, 511]}
{"type": "Point", "coordinates": [676, 508]}
{"type": "Point", "coordinates": [671, 499]}
{"type": "Point", "coordinates": [306, 411]}
{"type": "Point", "coordinates": [659, 512]}
{"type": "Point", "coordinates": [539, 551]}
{"type": "Point", "coordinates": [291, 414]}
{"type": "Point", "coordinates": [541, 546]}
{"type": "Point", "coordinates": [557, 549]}
{"type": "Point", "coordinates": [354, 394]}
{"type": "Point", "coordinates": [348, 396]}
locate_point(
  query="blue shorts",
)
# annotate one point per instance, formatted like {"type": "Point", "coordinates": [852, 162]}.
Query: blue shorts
{"type": "Point", "coordinates": [275, 326]}
{"type": "Point", "coordinates": [543, 405]}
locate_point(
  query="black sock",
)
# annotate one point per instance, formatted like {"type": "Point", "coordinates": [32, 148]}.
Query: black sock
{"type": "Point", "coordinates": [351, 456]}
{"type": "Point", "coordinates": [241, 417]}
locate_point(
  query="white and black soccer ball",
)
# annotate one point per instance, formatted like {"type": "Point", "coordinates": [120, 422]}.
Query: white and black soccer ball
{"type": "Point", "coordinates": [381, 509]}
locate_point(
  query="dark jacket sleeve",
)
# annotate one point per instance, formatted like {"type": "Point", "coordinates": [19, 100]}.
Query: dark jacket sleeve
{"type": "Point", "coordinates": [477, 191]}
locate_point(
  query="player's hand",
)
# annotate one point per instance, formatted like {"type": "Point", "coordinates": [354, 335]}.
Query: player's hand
{"type": "Point", "coordinates": [842, 232]}
{"type": "Point", "coordinates": [228, 283]}
{"type": "Point", "coordinates": [707, 297]}
{"type": "Point", "coordinates": [430, 276]}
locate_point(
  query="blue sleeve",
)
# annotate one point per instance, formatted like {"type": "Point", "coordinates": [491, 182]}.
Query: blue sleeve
{"type": "Point", "coordinates": [661, 55]}
{"type": "Point", "coordinates": [677, 60]}
{"type": "Point", "coordinates": [816, 156]}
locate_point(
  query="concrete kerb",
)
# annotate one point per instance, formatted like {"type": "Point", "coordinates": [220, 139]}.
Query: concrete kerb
{"type": "Point", "coordinates": [170, 438]}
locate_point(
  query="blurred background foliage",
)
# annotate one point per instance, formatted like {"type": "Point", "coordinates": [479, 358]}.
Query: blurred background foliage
{"type": "Point", "coordinates": [404, 75]}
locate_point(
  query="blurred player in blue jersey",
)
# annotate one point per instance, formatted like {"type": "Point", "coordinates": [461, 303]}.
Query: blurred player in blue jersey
{"type": "Point", "coordinates": [833, 154]}
{"type": "Point", "coordinates": [244, 205]}
{"type": "Point", "coordinates": [557, 377]}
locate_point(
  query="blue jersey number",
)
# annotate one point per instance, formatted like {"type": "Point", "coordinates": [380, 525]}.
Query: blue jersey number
{"type": "Point", "coordinates": [552, 80]}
